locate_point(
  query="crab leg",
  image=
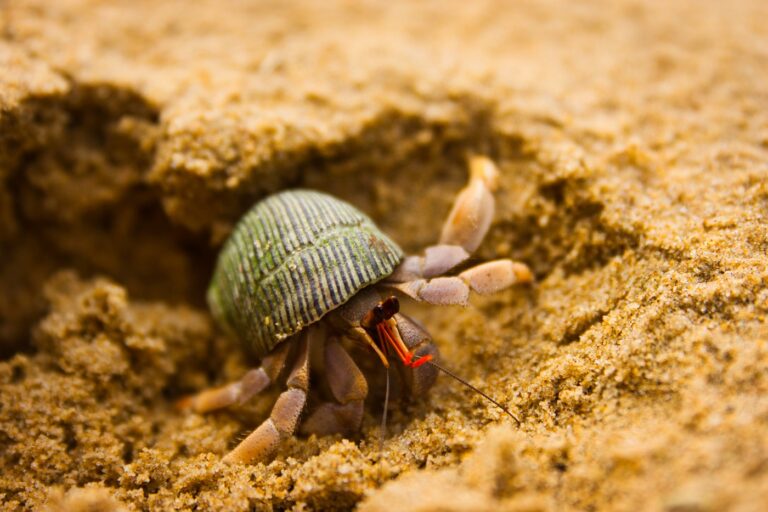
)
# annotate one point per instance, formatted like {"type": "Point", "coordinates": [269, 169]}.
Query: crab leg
{"type": "Point", "coordinates": [473, 208]}
{"type": "Point", "coordinates": [497, 275]}
{"type": "Point", "coordinates": [349, 388]}
{"type": "Point", "coordinates": [437, 260]}
{"type": "Point", "coordinates": [239, 392]}
{"type": "Point", "coordinates": [263, 442]}
{"type": "Point", "coordinates": [484, 279]}
{"type": "Point", "coordinates": [463, 231]}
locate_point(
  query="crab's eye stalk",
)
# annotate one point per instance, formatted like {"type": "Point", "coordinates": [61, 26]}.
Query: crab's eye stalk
{"type": "Point", "coordinates": [390, 307]}
{"type": "Point", "coordinates": [381, 312]}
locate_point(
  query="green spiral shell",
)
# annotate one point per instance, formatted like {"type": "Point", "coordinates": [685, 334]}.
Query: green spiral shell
{"type": "Point", "coordinates": [295, 256]}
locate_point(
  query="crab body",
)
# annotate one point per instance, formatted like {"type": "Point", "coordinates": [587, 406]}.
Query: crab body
{"type": "Point", "coordinates": [304, 274]}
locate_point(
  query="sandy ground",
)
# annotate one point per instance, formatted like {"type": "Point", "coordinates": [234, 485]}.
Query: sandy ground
{"type": "Point", "coordinates": [633, 142]}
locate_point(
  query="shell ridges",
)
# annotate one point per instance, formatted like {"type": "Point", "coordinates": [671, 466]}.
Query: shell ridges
{"type": "Point", "coordinates": [295, 256]}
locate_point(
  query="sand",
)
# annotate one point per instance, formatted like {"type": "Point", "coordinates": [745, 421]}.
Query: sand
{"type": "Point", "coordinates": [632, 138]}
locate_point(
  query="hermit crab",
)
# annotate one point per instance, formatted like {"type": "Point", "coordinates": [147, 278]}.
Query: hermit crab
{"type": "Point", "coordinates": [304, 275]}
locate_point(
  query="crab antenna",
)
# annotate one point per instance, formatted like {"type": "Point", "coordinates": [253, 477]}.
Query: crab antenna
{"type": "Point", "coordinates": [473, 388]}
{"type": "Point", "coordinates": [384, 414]}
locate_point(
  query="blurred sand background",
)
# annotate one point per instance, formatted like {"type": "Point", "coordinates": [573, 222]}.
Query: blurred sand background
{"type": "Point", "coordinates": [632, 138]}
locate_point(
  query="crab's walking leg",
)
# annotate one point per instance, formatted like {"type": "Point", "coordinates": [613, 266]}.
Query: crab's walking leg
{"type": "Point", "coordinates": [349, 388]}
{"type": "Point", "coordinates": [238, 392]}
{"type": "Point", "coordinates": [484, 279]}
{"type": "Point", "coordinates": [463, 231]}
{"type": "Point", "coordinates": [262, 443]}
{"type": "Point", "coordinates": [473, 208]}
